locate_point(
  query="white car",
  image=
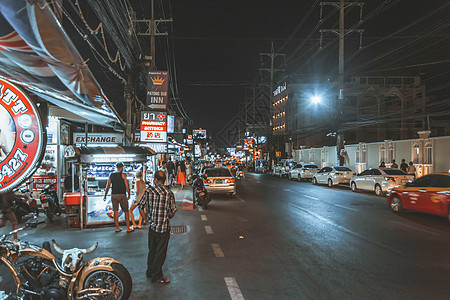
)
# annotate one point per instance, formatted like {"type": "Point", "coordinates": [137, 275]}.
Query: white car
{"type": "Point", "coordinates": [283, 168]}
{"type": "Point", "coordinates": [333, 175]}
{"type": "Point", "coordinates": [294, 173]}
{"type": "Point", "coordinates": [379, 180]}
{"type": "Point", "coordinates": [307, 172]}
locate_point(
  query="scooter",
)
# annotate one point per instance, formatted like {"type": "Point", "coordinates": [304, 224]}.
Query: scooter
{"type": "Point", "coordinates": [50, 202]}
{"type": "Point", "coordinates": [200, 195]}
{"type": "Point", "coordinates": [24, 204]}
{"type": "Point", "coordinates": [31, 272]}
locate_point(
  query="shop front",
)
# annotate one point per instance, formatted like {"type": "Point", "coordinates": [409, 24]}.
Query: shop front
{"type": "Point", "coordinates": [93, 166]}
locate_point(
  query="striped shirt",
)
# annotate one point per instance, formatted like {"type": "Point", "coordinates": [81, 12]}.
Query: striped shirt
{"type": "Point", "coordinates": [159, 202]}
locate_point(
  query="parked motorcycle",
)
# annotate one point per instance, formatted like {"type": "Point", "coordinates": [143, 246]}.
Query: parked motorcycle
{"type": "Point", "coordinates": [50, 202]}
{"type": "Point", "coordinates": [24, 204]}
{"type": "Point", "coordinates": [35, 274]}
{"type": "Point", "coordinates": [200, 195]}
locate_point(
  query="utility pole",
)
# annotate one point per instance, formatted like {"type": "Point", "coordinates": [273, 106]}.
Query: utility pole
{"type": "Point", "coordinates": [272, 70]}
{"type": "Point", "coordinates": [341, 33]}
{"type": "Point", "coordinates": [152, 30]}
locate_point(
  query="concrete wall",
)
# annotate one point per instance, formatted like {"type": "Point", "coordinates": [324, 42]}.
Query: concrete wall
{"type": "Point", "coordinates": [441, 154]}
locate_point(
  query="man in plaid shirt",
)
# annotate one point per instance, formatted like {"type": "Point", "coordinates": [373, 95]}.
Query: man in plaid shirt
{"type": "Point", "coordinates": [159, 202]}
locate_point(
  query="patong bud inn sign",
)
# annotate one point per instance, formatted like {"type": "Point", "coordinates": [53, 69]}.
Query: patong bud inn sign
{"type": "Point", "coordinates": [157, 88]}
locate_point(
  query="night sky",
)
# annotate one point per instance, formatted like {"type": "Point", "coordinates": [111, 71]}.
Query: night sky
{"type": "Point", "coordinates": [217, 46]}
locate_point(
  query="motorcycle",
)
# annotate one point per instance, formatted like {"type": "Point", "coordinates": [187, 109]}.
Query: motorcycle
{"type": "Point", "coordinates": [23, 204]}
{"type": "Point", "coordinates": [50, 202]}
{"type": "Point", "coordinates": [35, 274]}
{"type": "Point", "coordinates": [200, 195]}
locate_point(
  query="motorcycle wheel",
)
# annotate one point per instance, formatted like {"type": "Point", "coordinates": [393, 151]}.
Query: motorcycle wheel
{"type": "Point", "coordinates": [119, 281]}
{"type": "Point", "coordinates": [49, 214]}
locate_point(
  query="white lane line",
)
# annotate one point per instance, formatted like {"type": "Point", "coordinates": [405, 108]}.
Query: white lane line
{"type": "Point", "coordinates": [310, 197]}
{"type": "Point", "coordinates": [200, 208]}
{"type": "Point", "coordinates": [208, 230]}
{"type": "Point", "coordinates": [204, 218]}
{"type": "Point", "coordinates": [345, 207]}
{"type": "Point", "coordinates": [217, 251]}
{"type": "Point", "coordinates": [233, 288]}
{"type": "Point", "coordinates": [288, 190]}
{"type": "Point", "coordinates": [240, 199]}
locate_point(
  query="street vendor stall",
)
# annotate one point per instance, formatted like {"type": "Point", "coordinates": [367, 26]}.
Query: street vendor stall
{"type": "Point", "coordinates": [94, 164]}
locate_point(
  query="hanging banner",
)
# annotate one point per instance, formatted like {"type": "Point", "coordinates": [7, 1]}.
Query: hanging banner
{"type": "Point", "coordinates": [22, 141]}
{"type": "Point", "coordinates": [153, 126]}
{"type": "Point", "coordinates": [157, 87]}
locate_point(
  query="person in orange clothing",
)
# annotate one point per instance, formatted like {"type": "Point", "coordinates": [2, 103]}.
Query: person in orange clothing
{"type": "Point", "coordinates": [182, 174]}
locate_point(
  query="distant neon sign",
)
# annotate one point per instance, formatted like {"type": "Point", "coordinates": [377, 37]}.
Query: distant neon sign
{"type": "Point", "coordinates": [280, 89]}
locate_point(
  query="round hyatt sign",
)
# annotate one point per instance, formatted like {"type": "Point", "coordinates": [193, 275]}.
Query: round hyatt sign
{"type": "Point", "coordinates": [22, 141]}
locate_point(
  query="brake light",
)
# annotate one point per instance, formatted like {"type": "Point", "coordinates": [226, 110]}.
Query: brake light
{"type": "Point", "coordinates": [338, 173]}
{"type": "Point", "coordinates": [206, 181]}
{"type": "Point", "coordinates": [229, 180]}
{"type": "Point", "coordinates": [389, 178]}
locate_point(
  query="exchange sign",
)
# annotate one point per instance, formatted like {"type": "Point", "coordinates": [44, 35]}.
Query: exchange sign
{"type": "Point", "coordinates": [22, 141]}
{"type": "Point", "coordinates": [153, 126]}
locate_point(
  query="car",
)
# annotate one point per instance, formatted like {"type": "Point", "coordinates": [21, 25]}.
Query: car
{"type": "Point", "coordinates": [283, 167]}
{"type": "Point", "coordinates": [380, 180]}
{"type": "Point", "coordinates": [307, 172]}
{"type": "Point", "coordinates": [294, 173]}
{"type": "Point", "coordinates": [333, 175]}
{"type": "Point", "coordinates": [429, 194]}
{"type": "Point", "coordinates": [219, 180]}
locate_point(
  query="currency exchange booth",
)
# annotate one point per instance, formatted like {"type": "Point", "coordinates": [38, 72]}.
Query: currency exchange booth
{"type": "Point", "coordinates": [93, 165]}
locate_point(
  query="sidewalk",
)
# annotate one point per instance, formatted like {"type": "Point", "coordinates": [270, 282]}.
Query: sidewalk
{"type": "Point", "coordinates": [131, 248]}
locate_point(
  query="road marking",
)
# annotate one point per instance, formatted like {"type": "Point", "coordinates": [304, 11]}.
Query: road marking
{"type": "Point", "coordinates": [208, 230]}
{"type": "Point", "coordinates": [204, 218]}
{"type": "Point", "coordinates": [233, 288]}
{"type": "Point", "coordinates": [288, 190]}
{"type": "Point", "coordinates": [200, 208]}
{"type": "Point", "coordinates": [217, 251]}
{"type": "Point", "coordinates": [311, 197]}
{"type": "Point", "coordinates": [240, 199]}
{"type": "Point", "coordinates": [345, 207]}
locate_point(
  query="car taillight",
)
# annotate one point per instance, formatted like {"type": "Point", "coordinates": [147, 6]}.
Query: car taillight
{"type": "Point", "coordinates": [389, 178]}
{"type": "Point", "coordinates": [229, 180]}
{"type": "Point", "coordinates": [338, 173]}
{"type": "Point", "coordinates": [206, 181]}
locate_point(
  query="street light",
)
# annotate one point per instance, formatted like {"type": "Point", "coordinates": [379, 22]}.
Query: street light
{"type": "Point", "coordinates": [316, 99]}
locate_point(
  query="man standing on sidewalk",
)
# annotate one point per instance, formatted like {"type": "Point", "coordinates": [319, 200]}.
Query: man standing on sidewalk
{"type": "Point", "coordinates": [159, 202]}
{"type": "Point", "coordinates": [170, 170]}
{"type": "Point", "coordinates": [120, 188]}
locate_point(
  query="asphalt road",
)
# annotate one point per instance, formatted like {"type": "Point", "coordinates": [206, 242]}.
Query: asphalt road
{"type": "Point", "coordinates": [279, 239]}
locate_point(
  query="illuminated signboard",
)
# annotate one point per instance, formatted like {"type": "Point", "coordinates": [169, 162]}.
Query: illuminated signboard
{"type": "Point", "coordinates": [279, 89]}
{"type": "Point", "coordinates": [153, 126]}
{"type": "Point", "coordinates": [199, 133]}
{"type": "Point", "coordinates": [97, 138]}
{"type": "Point", "coordinates": [170, 124]}
{"type": "Point", "coordinates": [22, 140]}
{"type": "Point", "coordinates": [157, 86]}
{"type": "Point", "coordinates": [198, 151]}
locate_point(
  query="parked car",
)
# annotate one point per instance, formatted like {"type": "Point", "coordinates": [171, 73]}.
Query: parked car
{"type": "Point", "coordinates": [219, 181]}
{"type": "Point", "coordinates": [294, 173]}
{"type": "Point", "coordinates": [333, 175]}
{"type": "Point", "coordinates": [429, 194]}
{"type": "Point", "coordinates": [379, 180]}
{"type": "Point", "coordinates": [283, 167]}
{"type": "Point", "coordinates": [307, 172]}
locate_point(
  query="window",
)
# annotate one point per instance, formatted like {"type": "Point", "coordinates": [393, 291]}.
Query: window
{"type": "Point", "coordinates": [390, 153]}
{"type": "Point", "coordinates": [366, 172]}
{"type": "Point", "coordinates": [311, 156]}
{"type": "Point", "coordinates": [382, 153]}
{"type": "Point", "coordinates": [428, 153]}
{"type": "Point", "coordinates": [394, 172]}
{"type": "Point", "coordinates": [218, 172]}
{"type": "Point", "coordinates": [358, 160]}
{"type": "Point", "coordinates": [416, 153]}
{"type": "Point", "coordinates": [442, 181]}
{"type": "Point", "coordinates": [310, 167]}
{"type": "Point", "coordinates": [322, 155]}
{"type": "Point", "coordinates": [364, 154]}
{"type": "Point", "coordinates": [375, 172]}
{"type": "Point", "coordinates": [342, 169]}
{"type": "Point", "coordinates": [425, 181]}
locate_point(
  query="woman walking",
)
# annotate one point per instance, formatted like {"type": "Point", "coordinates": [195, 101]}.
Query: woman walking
{"type": "Point", "coordinates": [140, 189]}
{"type": "Point", "coordinates": [182, 174]}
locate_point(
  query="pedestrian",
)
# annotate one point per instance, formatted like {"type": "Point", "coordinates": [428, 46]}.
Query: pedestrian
{"type": "Point", "coordinates": [164, 169]}
{"type": "Point", "coordinates": [404, 166]}
{"type": "Point", "coordinates": [182, 174]}
{"type": "Point", "coordinates": [140, 189]}
{"type": "Point", "coordinates": [394, 164]}
{"type": "Point", "coordinates": [6, 208]}
{"type": "Point", "coordinates": [170, 170]}
{"type": "Point", "coordinates": [120, 188]}
{"type": "Point", "coordinates": [159, 202]}
{"type": "Point", "coordinates": [411, 169]}
{"type": "Point", "coordinates": [188, 172]}
{"type": "Point", "coordinates": [382, 165]}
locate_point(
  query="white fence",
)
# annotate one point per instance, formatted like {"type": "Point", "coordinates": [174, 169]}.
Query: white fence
{"type": "Point", "coordinates": [428, 154]}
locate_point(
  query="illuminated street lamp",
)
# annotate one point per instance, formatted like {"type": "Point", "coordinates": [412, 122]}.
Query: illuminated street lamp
{"type": "Point", "coordinates": [316, 99]}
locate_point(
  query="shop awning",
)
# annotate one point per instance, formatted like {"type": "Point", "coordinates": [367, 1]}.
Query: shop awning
{"type": "Point", "coordinates": [37, 54]}
{"type": "Point", "coordinates": [108, 154]}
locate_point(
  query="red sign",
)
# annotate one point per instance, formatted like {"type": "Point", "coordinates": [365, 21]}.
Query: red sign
{"type": "Point", "coordinates": [22, 140]}
{"type": "Point", "coordinates": [153, 126]}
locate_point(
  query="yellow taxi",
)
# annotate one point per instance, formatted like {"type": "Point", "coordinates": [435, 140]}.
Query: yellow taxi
{"type": "Point", "coordinates": [429, 194]}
